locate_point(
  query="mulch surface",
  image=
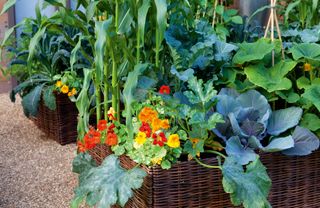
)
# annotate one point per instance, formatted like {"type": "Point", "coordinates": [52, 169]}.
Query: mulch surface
{"type": "Point", "coordinates": [34, 170]}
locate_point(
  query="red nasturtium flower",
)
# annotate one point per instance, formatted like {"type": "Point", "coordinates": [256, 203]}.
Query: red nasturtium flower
{"type": "Point", "coordinates": [91, 139]}
{"type": "Point", "coordinates": [164, 89]}
{"type": "Point", "coordinates": [146, 129]}
{"type": "Point", "coordinates": [159, 139]}
{"type": "Point", "coordinates": [102, 125]}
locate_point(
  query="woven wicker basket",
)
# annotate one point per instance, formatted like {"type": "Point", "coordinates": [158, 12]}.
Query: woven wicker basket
{"type": "Point", "coordinates": [60, 124]}
{"type": "Point", "coordinates": [295, 183]}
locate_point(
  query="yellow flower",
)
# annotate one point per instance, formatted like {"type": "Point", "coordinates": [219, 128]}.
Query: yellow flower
{"type": "Point", "coordinates": [307, 67]}
{"type": "Point", "coordinates": [174, 141]}
{"type": "Point", "coordinates": [65, 89]}
{"type": "Point", "coordinates": [156, 160]}
{"type": "Point", "coordinates": [147, 115]}
{"type": "Point", "coordinates": [74, 91]}
{"type": "Point", "coordinates": [70, 94]}
{"type": "Point", "coordinates": [165, 124]}
{"type": "Point", "coordinates": [58, 83]}
{"type": "Point", "coordinates": [111, 113]}
{"type": "Point", "coordinates": [141, 138]}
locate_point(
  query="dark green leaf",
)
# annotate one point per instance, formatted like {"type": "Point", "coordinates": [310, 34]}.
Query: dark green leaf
{"type": "Point", "coordinates": [30, 101]}
{"type": "Point", "coordinates": [49, 98]}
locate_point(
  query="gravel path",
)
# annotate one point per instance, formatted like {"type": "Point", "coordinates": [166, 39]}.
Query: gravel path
{"type": "Point", "coordinates": [34, 171]}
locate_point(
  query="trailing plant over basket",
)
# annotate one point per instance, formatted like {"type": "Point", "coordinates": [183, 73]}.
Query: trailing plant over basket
{"type": "Point", "coordinates": [163, 130]}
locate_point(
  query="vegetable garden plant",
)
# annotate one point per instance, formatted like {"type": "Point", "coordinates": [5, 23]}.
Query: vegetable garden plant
{"type": "Point", "coordinates": [168, 80]}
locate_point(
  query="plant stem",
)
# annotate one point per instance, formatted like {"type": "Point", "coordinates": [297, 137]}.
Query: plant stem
{"type": "Point", "coordinates": [157, 47]}
{"type": "Point", "coordinates": [207, 166]}
{"type": "Point", "coordinates": [138, 47]}
{"type": "Point", "coordinates": [98, 101]}
{"type": "Point", "coordinates": [217, 153]}
{"type": "Point", "coordinates": [117, 15]}
{"type": "Point", "coordinates": [106, 89]}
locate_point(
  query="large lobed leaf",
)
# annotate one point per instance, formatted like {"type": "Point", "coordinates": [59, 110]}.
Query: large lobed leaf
{"type": "Point", "coordinates": [304, 142]}
{"type": "Point", "coordinates": [249, 187]}
{"type": "Point", "coordinates": [312, 94]}
{"type": "Point", "coordinates": [309, 51]}
{"type": "Point", "coordinates": [252, 51]}
{"type": "Point", "coordinates": [108, 184]}
{"type": "Point", "coordinates": [271, 79]}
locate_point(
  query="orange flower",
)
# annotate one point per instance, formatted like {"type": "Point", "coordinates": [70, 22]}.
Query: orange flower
{"type": "Point", "coordinates": [91, 139]}
{"type": "Point", "coordinates": [307, 67]}
{"type": "Point", "coordinates": [65, 89]}
{"type": "Point", "coordinates": [102, 125]}
{"type": "Point", "coordinates": [112, 139]}
{"type": "Point", "coordinates": [147, 115]}
{"type": "Point", "coordinates": [81, 147]}
{"type": "Point", "coordinates": [158, 124]}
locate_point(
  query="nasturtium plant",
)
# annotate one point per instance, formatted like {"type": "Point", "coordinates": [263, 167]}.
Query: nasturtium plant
{"type": "Point", "coordinates": [106, 185]}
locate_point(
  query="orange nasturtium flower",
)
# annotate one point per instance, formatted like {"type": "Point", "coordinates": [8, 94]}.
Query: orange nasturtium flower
{"type": "Point", "coordinates": [65, 89]}
{"type": "Point", "coordinates": [141, 138]}
{"type": "Point", "coordinates": [112, 139]}
{"type": "Point", "coordinates": [58, 83]}
{"type": "Point", "coordinates": [307, 67]}
{"type": "Point", "coordinates": [174, 141]}
{"type": "Point", "coordinates": [158, 124]}
{"type": "Point", "coordinates": [81, 147]}
{"type": "Point", "coordinates": [194, 143]}
{"type": "Point", "coordinates": [147, 115]}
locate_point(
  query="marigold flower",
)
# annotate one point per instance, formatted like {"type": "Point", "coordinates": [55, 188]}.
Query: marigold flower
{"type": "Point", "coordinates": [81, 147]}
{"type": "Point", "coordinates": [174, 141]}
{"type": "Point", "coordinates": [102, 125]}
{"type": "Point", "coordinates": [164, 89]}
{"type": "Point", "coordinates": [159, 139]}
{"type": "Point", "coordinates": [58, 83]}
{"type": "Point", "coordinates": [156, 160]}
{"type": "Point", "coordinates": [112, 139]}
{"type": "Point", "coordinates": [307, 67]}
{"type": "Point", "coordinates": [111, 114]}
{"type": "Point", "coordinates": [141, 138]}
{"type": "Point", "coordinates": [147, 114]}
{"type": "Point", "coordinates": [146, 129]}
{"type": "Point", "coordinates": [64, 89]}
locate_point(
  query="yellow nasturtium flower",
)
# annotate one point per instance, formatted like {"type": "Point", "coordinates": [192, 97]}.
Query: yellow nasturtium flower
{"type": "Point", "coordinates": [141, 138]}
{"type": "Point", "coordinates": [58, 83]}
{"type": "Point", "coordinates": [65, 89]}
{"type": "Point", "coordinates": [174, 141]}
{"type": "Point", "coordinates": [156, 160]}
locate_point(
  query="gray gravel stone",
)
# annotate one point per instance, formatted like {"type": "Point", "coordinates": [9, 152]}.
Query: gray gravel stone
{"type": "Point", "coordinates": [34, 170]}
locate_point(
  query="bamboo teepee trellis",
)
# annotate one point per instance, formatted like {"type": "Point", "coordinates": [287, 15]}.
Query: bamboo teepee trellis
{"type": "Point", "coordinates": [272, 23]}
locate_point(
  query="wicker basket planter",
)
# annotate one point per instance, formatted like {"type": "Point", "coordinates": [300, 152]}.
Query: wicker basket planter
{"type": "Point", "coordinates": [60, 124]}
{"type": "Point", "coordinates": [295, 183]}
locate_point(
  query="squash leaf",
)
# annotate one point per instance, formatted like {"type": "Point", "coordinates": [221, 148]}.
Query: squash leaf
{"type": "Point", "coordinates": [271, 79]}
{"type": "Point", "coordinates": [310, 121]}
{"type": "Point", "coordinates": [108, 184]}
{"type": "Point", "coordinates": [249, 187]}
{"type": "Point", "coordinates": [312, 94]}
{"type": "Point", "coordinates": [253, 51]}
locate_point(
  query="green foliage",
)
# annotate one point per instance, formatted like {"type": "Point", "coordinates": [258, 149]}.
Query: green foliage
{"type": "Point", "coordinates": [49, 98]}
{"type": "Point", "coordinates": [106, 185]}
{"type": "Point", "coordinates": [308, 51]}
{"type": "Point", "coordinates": [7, 6]}
{"type": "Point", "coordinates": [30, 102]}
{"type": "Point", "coordinates": [256, 51]}
{"type": "Point", "coordinates": [312, 94]}
{"type": "Point", "coordinates": [310, 121]}
{"type": "Point", "coordinates": [249, 187]}
{"type": "Point", "coordinates": [271, 79]}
